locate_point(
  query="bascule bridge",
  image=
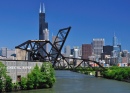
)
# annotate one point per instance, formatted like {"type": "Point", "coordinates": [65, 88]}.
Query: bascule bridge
{"type": "Point", "coordinates": [37, 50]}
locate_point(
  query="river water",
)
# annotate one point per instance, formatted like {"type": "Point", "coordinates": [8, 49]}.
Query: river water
{"type": "Point", "coordinates": [72, 82]}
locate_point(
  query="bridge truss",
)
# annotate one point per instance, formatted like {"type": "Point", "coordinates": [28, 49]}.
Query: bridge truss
{"type": "Point", "coordinates": [32, 48]}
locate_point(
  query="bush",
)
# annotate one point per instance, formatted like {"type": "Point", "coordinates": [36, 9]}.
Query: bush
{"type": "Point", "coordinates": [23, 83]}
{"type": "Point", "coordinates": [43, 77]}
{"type": "Point", "coordinates": [8, 84]}
{"type": "Point", "coordinates": [117, 73]}
{"type": "Point", "coordinates": [5, 80]}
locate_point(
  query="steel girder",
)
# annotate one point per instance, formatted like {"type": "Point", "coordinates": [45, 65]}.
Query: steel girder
{"type": "Point", "coordinates": [84, 62]}
{"type": "Point", "coordinates": [33, 46]}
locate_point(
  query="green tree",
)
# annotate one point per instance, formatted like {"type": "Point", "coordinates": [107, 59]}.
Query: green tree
{"type": "Point", "coordinates": [30, 79]}
{"type": "Point", "coordinates": [8, 84]}
{"type": "Point", "coordinates": [48, 74]}
{"type": "Point", "coordinates": [40, 77]}
{"type": "Point", "coordinates": [23, 83]}
{"type": "Point", "coordinates": [37, 75]}
{"type": "Point", "coordinates": [1, 85]}
{"type": "Point", "coordinates": [34, 78]}
{"type": "Point", "coordinates": [2, 75]}
{"type": "Point", "coordinates": [5, 80]}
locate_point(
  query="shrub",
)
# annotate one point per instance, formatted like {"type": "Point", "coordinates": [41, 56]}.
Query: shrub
{"type": "Point", "coordinates": [23, 83]}
{"type": "Point", "coordinates": [8, 84]}
{"type": "Point", "coordinates": [117, 73]}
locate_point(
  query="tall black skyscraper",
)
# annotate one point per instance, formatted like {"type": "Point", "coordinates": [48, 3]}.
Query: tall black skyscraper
{"type": "Point", "coordinates": [43, 29]}
{"type": "Point", "coordinates": [42, 24]}
{"type": "Point", "coordinates": [107, 50]}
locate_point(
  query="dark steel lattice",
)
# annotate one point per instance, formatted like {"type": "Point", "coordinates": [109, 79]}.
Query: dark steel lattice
{"type": "Point", "coordinates": [54, 56]}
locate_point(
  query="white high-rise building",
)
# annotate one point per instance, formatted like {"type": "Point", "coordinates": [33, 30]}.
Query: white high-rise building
{"type": "Point", "coordinates": [46, 37]}
{"type": "Point", "coordinates": [80, 51]}
{"type": "Point", "coordinates": [98, 46]}
{"type": "Point", "coordinates": [76, 52]}
{"type": "Point", "coordinates": [67, 51]}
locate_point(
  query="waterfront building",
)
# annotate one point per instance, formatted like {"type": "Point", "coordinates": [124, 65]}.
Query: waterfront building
{"type": "Point", "coordinates": [20, 69]}
{"type": "Point", "coordinates": [86, 51]}
{"type": "Point", "coordinates": [98, 46]}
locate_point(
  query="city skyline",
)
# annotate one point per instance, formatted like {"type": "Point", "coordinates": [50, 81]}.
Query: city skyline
{"type": "Point", "coordinates": [89, 19]}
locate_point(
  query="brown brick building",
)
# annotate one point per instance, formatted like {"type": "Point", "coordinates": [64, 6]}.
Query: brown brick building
{"type": "Point", "coordinates": [86, 51]}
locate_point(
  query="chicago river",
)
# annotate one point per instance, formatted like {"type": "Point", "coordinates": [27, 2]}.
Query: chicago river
{"type": "Point", "coordinates": [72, 82]}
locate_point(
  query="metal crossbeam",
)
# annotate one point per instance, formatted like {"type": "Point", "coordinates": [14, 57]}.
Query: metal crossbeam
{"type": "Point", "coordinates": [54, 56]}
{"type": "Point", "coordinates": [33, 46]}
{"type": "Point", "coordinates": [58, 44]}
{"type": "Point", "coordinates": [81, 61]}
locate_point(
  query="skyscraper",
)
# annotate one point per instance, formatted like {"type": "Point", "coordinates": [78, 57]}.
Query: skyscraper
{"type": "Point", "coordinates": [114, 40]}
{"type": "Point", "coordinates": [98, 46]}
{"type": "Point", "coordinates": [116, 47]}
{"type": "Point", "coordinates": [67, 51]}
{"type": "Point", "coordinates": [86, 51]}
{"type": "Point", "coordinates": [107, 50]}
{"type": "Point", "coordinates": [76, 50]}
{"type": "Point", "coordinates": [43, 28]}
{"type": "Point", "coordinates": [42, 24]}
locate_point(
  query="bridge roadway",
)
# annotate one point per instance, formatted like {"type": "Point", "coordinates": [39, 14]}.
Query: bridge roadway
{"type": "Point", "coordinates": [72, 82]}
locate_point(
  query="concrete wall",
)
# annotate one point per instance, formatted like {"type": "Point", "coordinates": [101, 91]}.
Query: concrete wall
{"type": "Point", "coordinates": [19, 68]}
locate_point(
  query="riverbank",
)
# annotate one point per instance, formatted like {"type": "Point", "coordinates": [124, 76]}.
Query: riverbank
{"type": "Point", "coordinates": [86, 70]}
{"type": "Point", "coordinates": [115, 73]}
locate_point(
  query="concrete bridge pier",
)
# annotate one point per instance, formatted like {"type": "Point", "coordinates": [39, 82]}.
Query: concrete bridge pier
{"type": "Point", "coordinates": [98, 74]}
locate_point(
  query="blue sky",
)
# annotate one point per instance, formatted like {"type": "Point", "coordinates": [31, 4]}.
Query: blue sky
{"type": "Point", "coordinates": [88, 18]}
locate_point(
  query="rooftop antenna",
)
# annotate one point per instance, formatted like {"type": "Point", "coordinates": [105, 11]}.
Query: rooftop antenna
{"type": "Point", "coordinates": [40, 10]}
{"type": "Point", "coordinates": [43, 8]}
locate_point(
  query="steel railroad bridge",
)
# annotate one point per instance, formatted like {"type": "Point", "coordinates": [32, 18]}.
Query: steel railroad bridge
{"type": "Point", "coordinates": [32, 47]}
